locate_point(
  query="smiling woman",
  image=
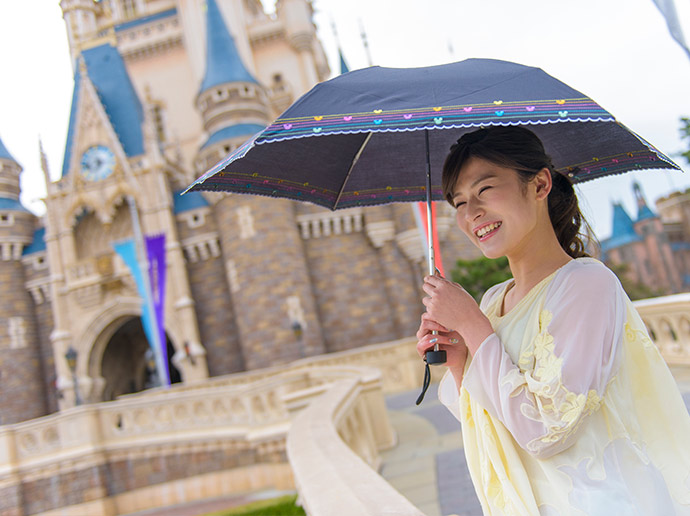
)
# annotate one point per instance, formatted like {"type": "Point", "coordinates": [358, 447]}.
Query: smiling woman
{"type": "Point", "coordinates": [566, 405]}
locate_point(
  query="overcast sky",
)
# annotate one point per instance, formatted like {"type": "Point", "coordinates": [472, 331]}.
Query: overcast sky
{"type": "Point", "coordinates": [619, 52]}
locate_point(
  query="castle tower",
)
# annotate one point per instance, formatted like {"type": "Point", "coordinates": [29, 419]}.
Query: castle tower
{"type": "Point", "coordinates": [261, 246]}
{"type": "Point", "coordinates": [660, 266]}
{"type": "Point", "coordinates": [80, 19]}
{"type": "Point", "coordinates": [21, 373]}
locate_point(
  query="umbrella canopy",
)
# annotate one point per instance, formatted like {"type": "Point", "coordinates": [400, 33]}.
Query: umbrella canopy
{"type": "Point", "coordinates": [360, 139]}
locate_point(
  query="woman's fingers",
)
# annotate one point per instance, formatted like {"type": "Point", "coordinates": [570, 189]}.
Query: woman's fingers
{"type": "Point", "coordinates": [429, 341]}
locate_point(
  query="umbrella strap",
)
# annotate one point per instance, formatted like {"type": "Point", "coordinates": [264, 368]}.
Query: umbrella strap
{"type": "Point", "coordinates": [427, 381]}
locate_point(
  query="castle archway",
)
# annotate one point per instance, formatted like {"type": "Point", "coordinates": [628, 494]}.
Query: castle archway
{"type": "Point", "coordinates": [126, 367]}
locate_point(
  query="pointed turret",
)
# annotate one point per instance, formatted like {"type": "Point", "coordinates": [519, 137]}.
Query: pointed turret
{"type": "Point", "coordinates": [21, 390]}
{"type": "Point", "coordinates": [232, 103]}
{"type": "Point", "coordinates": [9, 181]}
{"type": "Point", "coordinates": [102, 71]}
{"type": "Point", "coordinates": [623, 229]}
{"type": "Point", "coordinates": [643, 211]}
{"type": "Point", "coordinates": [223, 62]}
{"type": "Point", "coordinates": [343, 65]}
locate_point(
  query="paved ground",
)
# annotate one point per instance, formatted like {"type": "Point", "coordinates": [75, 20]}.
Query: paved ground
{"type": "Point", "coordinates": [427, 465]}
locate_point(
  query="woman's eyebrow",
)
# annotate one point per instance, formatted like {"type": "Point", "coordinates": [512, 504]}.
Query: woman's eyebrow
{"type": "Point", "coordinates": [488, 175]}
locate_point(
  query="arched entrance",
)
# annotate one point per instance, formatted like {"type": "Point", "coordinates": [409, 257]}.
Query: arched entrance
{"type": "Point", "coordinates": [125, 366]}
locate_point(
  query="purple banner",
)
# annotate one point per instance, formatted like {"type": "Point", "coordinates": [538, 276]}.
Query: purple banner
{"type": "Point", "coordinates": [155, 250]}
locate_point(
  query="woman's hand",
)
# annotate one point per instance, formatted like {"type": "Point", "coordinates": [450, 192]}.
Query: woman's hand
{"type": "Point", "coordinates": [449, 341]}
{"type": "Point", "coordinates": [449, 305]}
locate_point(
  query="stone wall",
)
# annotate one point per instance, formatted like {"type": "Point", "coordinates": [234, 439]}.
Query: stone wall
{"type": "Point", "coordinates": [216, 316]}
{"type": "Point", "coordinates": [21, 371]}
{"type": "Point", "coordinates": [349, 286]}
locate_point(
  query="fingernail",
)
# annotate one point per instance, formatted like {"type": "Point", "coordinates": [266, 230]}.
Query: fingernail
{"type": "Point", "coordinates": [433, 341]}
{"type": "Point", "coordinates": [454, 341]}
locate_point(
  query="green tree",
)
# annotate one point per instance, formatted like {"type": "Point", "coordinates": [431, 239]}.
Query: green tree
{"type": "Point", "coordinates": [634, 289]}
{"type": "Point", "coordinates": [477, 276]}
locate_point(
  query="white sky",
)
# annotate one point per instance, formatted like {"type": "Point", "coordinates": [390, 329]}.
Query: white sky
{"type": "Point", "coordinates": [619, 52]}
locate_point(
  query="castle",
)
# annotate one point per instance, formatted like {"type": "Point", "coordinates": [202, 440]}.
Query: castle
{"type": "Point", "coordinates": [163, 89]}
{"type": "Point", "coordinates": [655, 248]}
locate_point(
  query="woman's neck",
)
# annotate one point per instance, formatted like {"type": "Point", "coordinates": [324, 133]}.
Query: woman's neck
{"type": "Point", "coordinates": [538, 260]}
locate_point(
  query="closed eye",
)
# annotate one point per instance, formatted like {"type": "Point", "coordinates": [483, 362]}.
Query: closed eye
{"type": "Point", "coordinates": [483, 189]}
{"type": "Point", "coordinates": [459, 203]}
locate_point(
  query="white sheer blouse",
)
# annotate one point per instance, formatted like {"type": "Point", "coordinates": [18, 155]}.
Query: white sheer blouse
{"type": "Point", "coordinates": [568, 408]}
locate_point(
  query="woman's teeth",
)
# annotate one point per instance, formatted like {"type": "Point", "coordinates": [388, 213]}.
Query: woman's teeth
{"type": "Point", "coordinates": [488, 229]}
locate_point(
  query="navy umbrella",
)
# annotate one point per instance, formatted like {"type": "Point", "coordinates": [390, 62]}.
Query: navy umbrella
{"type": "Point", "coordinates": [380, 135]}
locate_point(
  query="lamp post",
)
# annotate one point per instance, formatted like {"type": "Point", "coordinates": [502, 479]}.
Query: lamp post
{"type": "Point", "coordinates": [71, 358]}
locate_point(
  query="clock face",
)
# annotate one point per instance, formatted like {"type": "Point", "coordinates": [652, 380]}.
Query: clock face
{"type": "Point", "coordinates": [97, 163]}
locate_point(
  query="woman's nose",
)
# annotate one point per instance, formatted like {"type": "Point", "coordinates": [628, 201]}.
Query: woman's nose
{"type": "Point", "coordinates": [473, 211]}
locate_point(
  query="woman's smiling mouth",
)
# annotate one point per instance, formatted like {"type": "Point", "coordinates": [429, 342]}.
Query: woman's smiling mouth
{"type": "Point", "coordinates": [487, 230]}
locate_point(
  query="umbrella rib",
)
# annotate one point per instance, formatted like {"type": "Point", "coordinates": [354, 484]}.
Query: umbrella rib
{"type": "Point", "coordinates": [354, 162]}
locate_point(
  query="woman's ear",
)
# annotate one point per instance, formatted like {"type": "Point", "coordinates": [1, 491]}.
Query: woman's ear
{"type": "Point", "coordinates": [543, 183]}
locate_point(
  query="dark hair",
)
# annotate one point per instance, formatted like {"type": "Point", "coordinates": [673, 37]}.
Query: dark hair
{"type": "Point", "coordinates": [520, 149]}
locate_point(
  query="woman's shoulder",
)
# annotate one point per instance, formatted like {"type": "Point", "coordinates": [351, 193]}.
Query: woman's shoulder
{"type": "Point", "coordinates": [586, 275]}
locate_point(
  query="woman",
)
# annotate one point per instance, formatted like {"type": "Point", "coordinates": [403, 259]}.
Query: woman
{"type": "Point", "coordinates": [567, 407]}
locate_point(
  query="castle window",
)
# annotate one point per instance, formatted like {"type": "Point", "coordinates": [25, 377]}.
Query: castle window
{"type": "Point", "coordinates": [6, 219]}
{"type": "Point", "coordinates": [129, 8]}
{"type": "Point", "coordinates": [17, 332]}
{"type": "Point", "coordinates": [159, 122]}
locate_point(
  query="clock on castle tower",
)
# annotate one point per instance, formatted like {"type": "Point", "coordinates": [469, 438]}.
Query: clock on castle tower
{"type": "Point", "coordinates": [97, 163]}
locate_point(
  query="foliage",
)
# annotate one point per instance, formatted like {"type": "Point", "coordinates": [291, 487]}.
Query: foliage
{"type": "Point", "coordinates": [283, 506]}
{"type": "Point", "coordinates": [477, 276]}
{"type": "Point", "coordinates": [634, 289]}
{"type": "Point", "coordinates": [685, 134]}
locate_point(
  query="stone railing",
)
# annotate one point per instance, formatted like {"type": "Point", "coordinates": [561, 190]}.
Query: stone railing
{"type": "Point", "coordinates": [668, 321]}
{"type": "Point", "coordinates": [220, 436]}
{"type": "Point", "coordinates": [334, 456]}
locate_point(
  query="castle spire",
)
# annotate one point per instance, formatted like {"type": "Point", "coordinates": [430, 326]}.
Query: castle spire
{"type": "Point", "coordinates": [343, 65]}
{"type": "Point", "coordinates": [44, 163]}
{"type": "Point", "coordinates": [643, 211]}
{"type": "Point", "coordinates": [223, 61]}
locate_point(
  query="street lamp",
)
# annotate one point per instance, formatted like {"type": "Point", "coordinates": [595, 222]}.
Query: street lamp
{"type": "Point", "coordinates": [71, 358]}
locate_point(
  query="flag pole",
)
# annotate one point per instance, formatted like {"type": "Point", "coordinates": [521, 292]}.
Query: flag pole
{"type": "Point", "coordinates": [148, 301]}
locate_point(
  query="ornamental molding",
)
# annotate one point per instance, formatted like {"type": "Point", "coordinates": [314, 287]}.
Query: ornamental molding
{"type": "Point", "coordinates": [410, 242]}
{"type": "Point", "coordinates": [325, 224]}
{"type": "Point", "coordinates": [201, 247]}
{"type": "Point", "coordinates": [380, 232]}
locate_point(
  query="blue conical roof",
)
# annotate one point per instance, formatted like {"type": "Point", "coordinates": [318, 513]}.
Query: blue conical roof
{"type": "Point", "coordinates": [108, 74]}
{"type": "Point", "coordinates": [645, 213]}
{"type": "Point", "coordinates": [4, 153]}
{"type": "Point", "coordinates": [623, 230]}
{"type": "Point", "coordinates": [223, 62]}
{"type": "Point", "coordinates": [343, 65]}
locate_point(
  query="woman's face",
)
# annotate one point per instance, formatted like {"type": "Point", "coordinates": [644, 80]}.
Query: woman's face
{"type": "Point", "coordinates": [496, 211]}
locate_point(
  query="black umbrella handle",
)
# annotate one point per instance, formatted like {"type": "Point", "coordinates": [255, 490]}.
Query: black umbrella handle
{"type": "Point", "coordinates": [436, 356]}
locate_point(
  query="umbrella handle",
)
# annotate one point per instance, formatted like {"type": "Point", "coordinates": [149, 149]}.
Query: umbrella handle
{"type": "Point", "coordinates": [437, 356]}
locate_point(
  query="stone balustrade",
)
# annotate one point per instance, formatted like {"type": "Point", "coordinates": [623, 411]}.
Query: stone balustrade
{"type": "Point", "coordinates": [225, 435]}
{"type": "Point", "coordinates": [668, 322]}
{"type": "Point", "coordinates": [333, 456]}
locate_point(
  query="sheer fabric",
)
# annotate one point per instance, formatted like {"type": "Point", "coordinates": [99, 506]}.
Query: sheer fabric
{"type": "Point", "coordinates": [568, 408]}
